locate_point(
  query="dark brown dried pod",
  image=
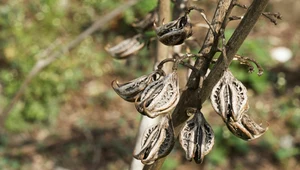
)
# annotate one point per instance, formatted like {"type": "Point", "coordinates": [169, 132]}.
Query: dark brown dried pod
{"type": "Point", "coordinates": [130, 90]}
{"type": "Point", "coordinates": [229, 97]}
{"type": "Point", "coordinates": [196, 137]}
{"type": "Point", "coordinates": [158, 141]}
{"type": "Point", "coordinates": [159, 97]}
{"type": "Point", "coordinates": [126, 48]}
{"type": "Point", "coordinates": [245, 128]}
{"type": "Point", "coordinates": [174, 32]}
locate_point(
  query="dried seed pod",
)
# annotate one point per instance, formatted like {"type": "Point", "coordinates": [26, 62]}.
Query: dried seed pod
{"type": "Point", "coordinates": [158, 141]}
{"type": "Point", "coordinates": [245, 128]}
{"type": "Point", "coordinates": [229, 97]}
{"type": "Point", "coordinates": [126, 48]}
{"type": "Point", "coordinates": [159, 97]}
{"type": "Point", "coordinates": [147, 22]}
{"type": "Point", "coordinates": [174, 32]}
{"type": "Point", "coordinates": [150, 90]}
{"type": "Point", "coordinates": [196, 138]}
{"type": "Point", "coordinates": [130, 90]}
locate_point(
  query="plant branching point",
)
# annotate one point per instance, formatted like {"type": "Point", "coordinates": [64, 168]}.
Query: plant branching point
{"type": "Point", "coordinates": [157, 94]}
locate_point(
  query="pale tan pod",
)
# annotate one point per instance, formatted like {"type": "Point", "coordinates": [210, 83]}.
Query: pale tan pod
{"type": "Point", "coordinates": [158, 141]}
{"type": "Point", "coordinates": [130, 91]}
{"type": "Point", "coordinates": [166, 99]}
{"type": "Point", "coordinates": [159, 97]}
{"type": "Point", "coordinates": [196, 137]}
{"type": "Point", "coordinates": [229, 97]}
{"type": "Point", "coordinates": [126, 47]}
{"type": "Point", "coordinates": [245, 128]}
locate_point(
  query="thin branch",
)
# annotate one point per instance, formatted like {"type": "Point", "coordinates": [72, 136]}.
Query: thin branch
{"type": "Point", "coordinates": [272, 16]}
{"type": "Point", "coordinates": [43, 62]}
{"type": "Point", "coordinates": [164, 14]}
{"type": "Point", "coordinates": [234, 43]}
{"type": "Point", "coordinates": [207, 51]}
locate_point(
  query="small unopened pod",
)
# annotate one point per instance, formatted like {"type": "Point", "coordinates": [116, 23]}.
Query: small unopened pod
{"type": "Point", "coordinates": [130, 90]}
{"type": "Point", "coordinates": [174, 32]}
{"type": "Point", "coordinates": [159, 97]}
{"type": "Point", "coordinates": [126, 47]}
{"type": "Point", "coordinates": [196, 138]}
{"type": "Point", "coordinates": [158, 142]}
{"type": "Point", "coordinates": [229, 97]}
{"type": "Point", "coordinates": [245, 128]}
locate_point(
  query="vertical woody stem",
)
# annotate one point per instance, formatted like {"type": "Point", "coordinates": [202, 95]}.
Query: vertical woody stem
{"type": "Point", "coordinates": [164, 14]}
{"type": "Point", "coordinates": [234, 43]}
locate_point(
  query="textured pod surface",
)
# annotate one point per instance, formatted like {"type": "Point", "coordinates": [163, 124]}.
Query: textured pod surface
{"type": "Point", "coordinates": [126, 47]}
{"type": "Point", "coordinates": [150, 90]}
{"type": "Point", "coordinates": [196, 138]}
{"type": "Point", "coordinates": [229, 97]}
{"type": "Point", "coordinates": [174, 32]}
{"type": "Point", "coordinates": [246, 128]}
{"type": "Point", "coordinates": [159, 97]}
{"type": "Point", "coordinates": [130, 90]}
{"type": "Point", "coordinates": [158, 141]}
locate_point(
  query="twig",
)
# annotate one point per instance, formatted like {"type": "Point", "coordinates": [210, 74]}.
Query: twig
{"type": "Point", "coordinates": [208, 50]}
{"type": "Point", "coordinates": [43, 62]}
{"type": "Point", "coordinates": [233, 44]}
{"type": "Point", "coordinates": [269, 15]}
{"type": "Point", "coordinates": [246, 61]}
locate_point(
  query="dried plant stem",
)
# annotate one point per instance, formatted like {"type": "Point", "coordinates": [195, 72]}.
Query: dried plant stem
{"type": "Point", "coordinates": [164, 14]}
{"type": "Point", "coordinates": [55, 54]}
{"type": "Point", "coordinates": [233, 44]}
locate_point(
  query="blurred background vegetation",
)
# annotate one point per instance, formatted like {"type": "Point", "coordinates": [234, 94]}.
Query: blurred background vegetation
{"type": "Point", "coordinates": [70, 118]}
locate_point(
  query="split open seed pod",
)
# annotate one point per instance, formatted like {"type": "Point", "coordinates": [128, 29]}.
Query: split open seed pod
{"type": "Point", "coordinates": [174, 32]}
{"type": "Point", "coordinates": [229, 97]}
{"type": "Point", "coordinates": [147, 22]}
{"type": "Point", "coordinates": [159, 97]}
{"type": "Point", "coordinates": [196, 137]}
{"type": "Point", "coordinates": [246, 128]}
{"type": "Point", "coordinates": [158, 142]}
{"type": "Point", "coordinates": [126, 47]}
{"type": "Point", "coordinates": [129, 91]}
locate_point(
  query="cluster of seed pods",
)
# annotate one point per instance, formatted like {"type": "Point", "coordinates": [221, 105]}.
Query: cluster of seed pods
{"type": "Point", "coordinates": [154, 94]}
{"type": "Point", "coordinates": [170, 34]}
{"type": "Point", "coordinates": [157, 94]}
